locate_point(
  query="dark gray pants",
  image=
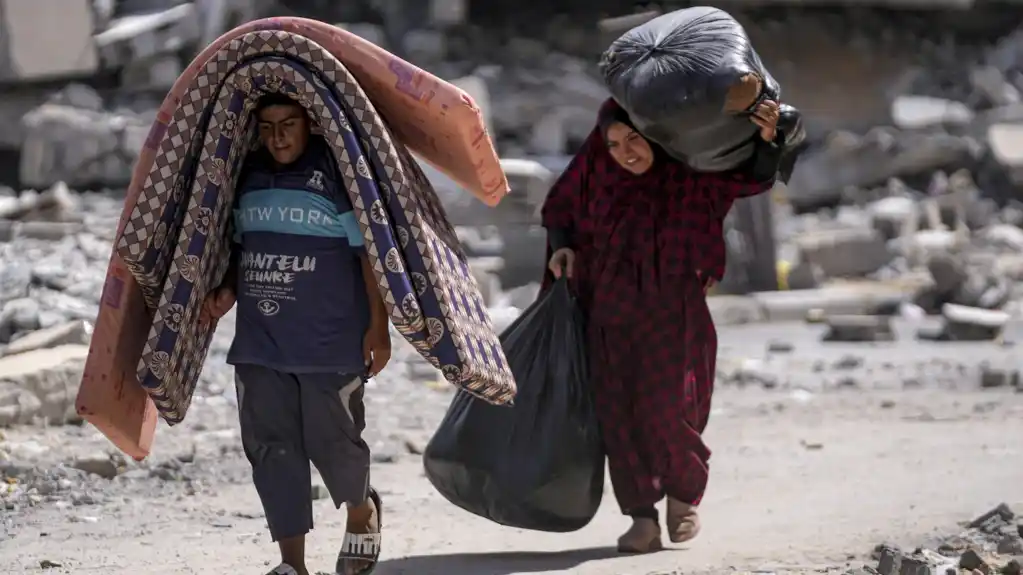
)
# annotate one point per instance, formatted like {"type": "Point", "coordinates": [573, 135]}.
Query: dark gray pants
{"type": "Point", "coordinates": [288, 420]}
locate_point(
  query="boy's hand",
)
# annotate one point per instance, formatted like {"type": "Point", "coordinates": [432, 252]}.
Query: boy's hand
{"type": "Point", "coordinates": [216, 305]}
{"type": "Point", "coordinates": [376, 346]}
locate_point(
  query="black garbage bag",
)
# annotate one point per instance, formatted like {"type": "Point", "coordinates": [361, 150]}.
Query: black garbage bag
{"type": "Point", "coordinates": [538, 464]}
{"type": "Point", "coordinates": [672, 75]}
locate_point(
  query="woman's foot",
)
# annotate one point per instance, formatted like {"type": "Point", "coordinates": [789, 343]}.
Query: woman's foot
{"type": "Point", "coordinates": [682, 520]}
{"type": "Point", "coordinates": [643, 537]}
{"type": "Point", "coordinates": [360, 549]}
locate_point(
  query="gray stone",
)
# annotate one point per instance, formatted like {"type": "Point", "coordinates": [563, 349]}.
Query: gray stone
{"type": "Point", "coordinates": [804, 276]}
{"type": "Point", "coordinates": [990, 82]}
{"type": "Point", "coordinates": [915, 112]}
{"type": "Point", "coordinates": [41, 384]}
{"type": "Point", "coordinates": [991, 377]}
{"type": "Point", "coordinates": [890, 215]}
{"type": "Point", "coordinates": [77, 332]}
{"type": "Point", "coordinates": [448, 12]}
{"type": "Point", "coordinates": [97, 464]}
{"type": "Point", "coordinates": [16, 316]}
{"type": "Point", "coordinates": [947, 271]}
{"type": "Point", "coordinates": [1010, 545]}
{"type": "Point", "coordinates": [734, 310]}
{"type": "Point", "coordinates": [849, 252]}
{"type": "Point", "coordinates": [859, 328]}
{"type": "Point", "coordinates": [830, 300]}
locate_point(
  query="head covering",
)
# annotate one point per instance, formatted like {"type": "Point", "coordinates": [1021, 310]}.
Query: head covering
{"type": "Point", "coordinates": [612, 113]}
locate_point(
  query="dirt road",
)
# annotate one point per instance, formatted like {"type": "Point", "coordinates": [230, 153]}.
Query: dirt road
{"type": "Point", "coordinates": [800, 481]}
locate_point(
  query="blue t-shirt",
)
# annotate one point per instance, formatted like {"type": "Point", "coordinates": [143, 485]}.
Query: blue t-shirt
{"type": "Point", "coordinates": [302, 303]}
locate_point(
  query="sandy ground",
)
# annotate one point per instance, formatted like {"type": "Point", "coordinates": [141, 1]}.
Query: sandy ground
{"type": "Point", "coordinates": [802, 480]}
{"type": "Point", "coordinates": [796, 485]}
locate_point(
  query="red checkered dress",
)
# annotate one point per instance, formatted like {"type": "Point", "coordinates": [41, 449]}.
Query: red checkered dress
{"type": "Point", "coordinates": [645, 248]}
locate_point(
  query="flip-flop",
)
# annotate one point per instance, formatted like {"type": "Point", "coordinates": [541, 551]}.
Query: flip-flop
{"type": "Point", "coordinates": [364, 547]}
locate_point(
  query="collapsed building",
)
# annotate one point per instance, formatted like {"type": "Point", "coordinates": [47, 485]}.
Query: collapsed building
{"type": "Point", "coordinates": [896, 95]}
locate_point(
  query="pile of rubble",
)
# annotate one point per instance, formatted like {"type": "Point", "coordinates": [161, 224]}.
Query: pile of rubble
{"type": "Point", "coordinates": [991, 544]}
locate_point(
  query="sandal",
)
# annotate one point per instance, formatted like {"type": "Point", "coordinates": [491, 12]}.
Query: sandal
{"type": "Point", "coordinates": [362, 547]}
{"type": "Point", "coordinates": [640, 538]}
{"type": "Point", "coordinates": [283, 569]}
{"type": "Point", "coordinates": [683, 521]}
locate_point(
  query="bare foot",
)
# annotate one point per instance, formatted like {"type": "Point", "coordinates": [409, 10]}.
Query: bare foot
{"type": "Point", "coordinates": [683, 521]}
{"type": "Point", "coordinates": [643, 537]}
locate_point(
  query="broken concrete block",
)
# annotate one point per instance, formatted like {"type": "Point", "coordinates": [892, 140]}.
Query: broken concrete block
{"type": "Point", "coordinates": [1006, 143]}
{"type": "Point", "coordinates": [889, 215]}
{"type": "Point", "coordinates": [859, 328]}
{"type": "Point", "coordinates": [82, 148]}
{"type": "Point", "coordinates": [448, 12]}
{"type": "Point", "coordinates": [992, 521]}
{"type": "Point", "coordinates": [849, 252]}
{"type": "Point", "coordinates": [41, 384]}
{"type": "Point", "coordinates": [964, 323]}
{"type": "Point", "coordinates": [890, 561]}
{"type": "Point", "coordinates": [38, 46]}
{"type": "Point", "coordinates": [915, 112]}
{"type": "Point", "coordinates": [76, 332]}
{"type": "Point", "coordinates": [805, 275]}
{"type": "Point", "coordinates": [948, 273]}
{"type": "Point", "coordinates": [734, 310]}
{"type": "Point", "coordinates": [830, 300]}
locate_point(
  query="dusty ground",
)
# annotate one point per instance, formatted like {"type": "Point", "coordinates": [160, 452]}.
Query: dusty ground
{"type": "Point", "coordinates": [802, 479]}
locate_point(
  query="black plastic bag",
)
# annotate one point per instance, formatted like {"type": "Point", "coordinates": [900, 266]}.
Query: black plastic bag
{"type": "Point", "coordinates": [538, 464]}
{"type": "Point", "coordinates": [672, 75]}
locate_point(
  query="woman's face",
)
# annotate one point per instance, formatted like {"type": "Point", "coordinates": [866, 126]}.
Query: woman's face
{"type": "Point", "coordinates": [628, 148]}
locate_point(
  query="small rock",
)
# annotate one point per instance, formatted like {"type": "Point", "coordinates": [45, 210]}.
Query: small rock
{"type": "Point", "coordinates": [74, 332]}
{"type": "Point", "coordinates": [1010, 545]}
{"type": "Point", "coordinates": [99, 464]}
{"type": "Point", "coordinates": [777, 346]}
{"type": "Point", "coordinates": [971, 560]}
{"type": "Point", "coordinates": [859, 328]}
{"type": "Point", "coordinates": [992, 378]}
{"type": "Point", "coordinates": [964, 323]}
{"type": "Point", "coordinates": [993, 521]}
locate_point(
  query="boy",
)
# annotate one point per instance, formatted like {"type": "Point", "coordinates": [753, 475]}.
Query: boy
{"type": "Point", "coordinates": [312, 327]}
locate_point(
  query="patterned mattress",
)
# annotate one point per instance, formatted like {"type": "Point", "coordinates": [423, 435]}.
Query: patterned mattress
{"type": "Point", "coordinates": [175, 240]}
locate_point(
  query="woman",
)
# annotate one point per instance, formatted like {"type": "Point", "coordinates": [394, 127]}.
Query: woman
{"type": "Point", "coordinates": [639, 236]}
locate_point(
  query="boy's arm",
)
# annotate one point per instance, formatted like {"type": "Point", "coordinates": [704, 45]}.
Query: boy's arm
{"type": "Point", "coordinates": [377, 309]}
{"type": "Point", "coordinates": [230, 280]}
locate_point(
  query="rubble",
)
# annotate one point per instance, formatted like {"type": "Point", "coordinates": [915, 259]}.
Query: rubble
{"type": "Point", "coordinates": [990, 545]}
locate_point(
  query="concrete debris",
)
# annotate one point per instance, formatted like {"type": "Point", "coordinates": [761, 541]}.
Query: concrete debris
{"type": "Point", "coordinates": [859, 328]}
{"type": "Point", "coordinates": [988, 546]}
{"type": "Point", "coordinates": [83, 148]}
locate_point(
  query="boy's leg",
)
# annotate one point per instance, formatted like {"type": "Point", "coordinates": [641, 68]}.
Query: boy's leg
{"type": "Point", "coordinates": [270, 410]}
{"type": "Point", "coordinates": [334, 418]}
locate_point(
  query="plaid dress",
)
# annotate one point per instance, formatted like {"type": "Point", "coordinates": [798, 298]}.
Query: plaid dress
{"type": "Point", "coordinates": [646, 246]}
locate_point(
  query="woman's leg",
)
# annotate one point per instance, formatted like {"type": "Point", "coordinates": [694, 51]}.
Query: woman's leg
{"type": "Point", "coordinates": [633, 485]}
{"type": "Point", "coordinates": [674, 404]}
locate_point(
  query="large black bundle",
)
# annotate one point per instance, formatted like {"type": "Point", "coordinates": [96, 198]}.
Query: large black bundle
{"type": "Point", "coordinates": [539, 464]}
{"type": "Point", "coordinates": [673, 74]}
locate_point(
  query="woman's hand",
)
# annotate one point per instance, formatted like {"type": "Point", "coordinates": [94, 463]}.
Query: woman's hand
{"type": "Point", "coordinates": [563, 261]}
{"type": "Point", "coordinates": [766, 117]}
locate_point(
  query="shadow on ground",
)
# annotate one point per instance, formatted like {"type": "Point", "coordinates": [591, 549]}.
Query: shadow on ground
{"type": "Point", "coordinates": [493, 563]}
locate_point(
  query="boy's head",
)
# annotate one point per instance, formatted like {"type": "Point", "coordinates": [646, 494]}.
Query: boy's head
{"type": "Point", "coordinates": [283, 127]}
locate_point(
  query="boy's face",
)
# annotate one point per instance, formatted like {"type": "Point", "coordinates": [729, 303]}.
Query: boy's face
{"type": "Point", "coordinates": [284, 130]}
